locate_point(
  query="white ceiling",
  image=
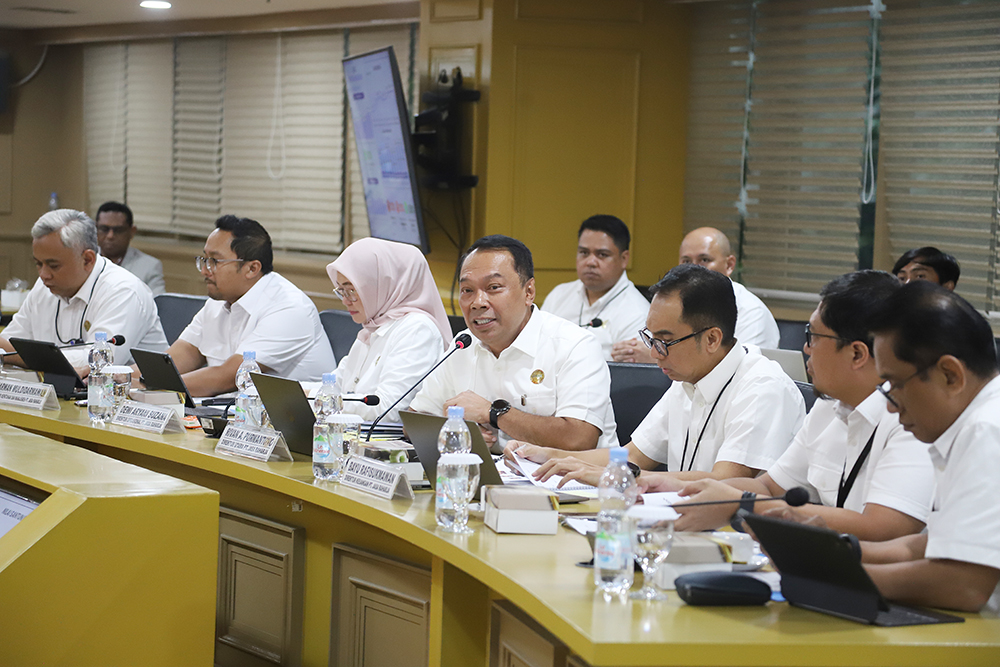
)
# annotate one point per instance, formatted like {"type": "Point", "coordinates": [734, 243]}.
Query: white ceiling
{"type": "Point", "coordinates": [67, 13]}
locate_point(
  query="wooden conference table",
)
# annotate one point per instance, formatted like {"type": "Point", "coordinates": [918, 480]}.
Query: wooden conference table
{"type": "Point", "coordinates": [368, 581]}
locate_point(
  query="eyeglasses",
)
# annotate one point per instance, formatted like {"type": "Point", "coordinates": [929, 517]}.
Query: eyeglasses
{"type": "Point", "coordinates": [810, 334]}
{"type": "Point", "coordinates": [348, 294]}
{"type": "Point", "coordinates": [662, 347]}
{"type": "Point", "coordinates": [886, 388]}
{"type": "Point", "coordinates": [210, 263]}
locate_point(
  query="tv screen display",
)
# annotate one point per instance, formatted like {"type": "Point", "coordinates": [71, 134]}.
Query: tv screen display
{"type": "Point", "coordinates": [13, 508]}
{"type": "Point", "coordinates": [382, 137]}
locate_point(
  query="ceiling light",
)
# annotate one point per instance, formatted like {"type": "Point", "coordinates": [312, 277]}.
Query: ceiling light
{"type": "Point", "coordinates": [154, 4]}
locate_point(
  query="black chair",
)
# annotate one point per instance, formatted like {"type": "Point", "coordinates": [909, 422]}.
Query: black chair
{"type": "Point", "coordinates": [341, 330]}
{"type": "Point", "coordinates": [635, 389]}
{"type": "Point", "coordinates": [807, 393]}
{"type": "Point", "coordinates": [792, 334]}
{"type": "Point", "coordinates": [176, 312]}
{"type": "Point", "coordinates": [457, 323]}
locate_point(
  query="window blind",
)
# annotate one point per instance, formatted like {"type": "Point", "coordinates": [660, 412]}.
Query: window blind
{"type": "Point", "coordinates": [402, 39]}
{"type": "Point", "coordinates": [199, 88]}
{"type": "Point", "coordinates": [149, 133]}
{"type": "Point", "coordinates": [939, 135]}
{"type": "Point", "coordinates": [104, 102]}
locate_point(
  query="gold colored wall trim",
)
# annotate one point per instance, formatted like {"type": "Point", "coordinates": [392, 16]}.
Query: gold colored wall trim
{"type": "Point", "coordinates": [443, 11]}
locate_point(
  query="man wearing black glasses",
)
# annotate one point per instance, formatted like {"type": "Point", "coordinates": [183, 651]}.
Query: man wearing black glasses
{"type": "Point", "coordinates": [865, 473]}
{"type": "Point", "coordinates": [729, 412]}
{"type": "Point", "coordinates": [250, 307]}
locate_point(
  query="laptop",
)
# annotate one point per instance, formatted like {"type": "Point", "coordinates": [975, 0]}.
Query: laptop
{"type": "Point", "coordinates": [423, 429]}
{"type": "Point", "coordinates": [46, 357]}
{"type": "Point", "coordinates": [288, 409]}
{"type": "Point", "coordinates": [159, 372]}
{"type": "Point", "coordinates": [791, 361]}
{"type": "Point", "coordinates": [820, 571]}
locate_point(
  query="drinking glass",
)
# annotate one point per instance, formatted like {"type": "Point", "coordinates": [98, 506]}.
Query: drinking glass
{"type": "Point", "coordinates": [652, 532]}
{"type": "Point", "coordinates": [460, 475]}
{"type": "Point", "coordinates": [121, 379]}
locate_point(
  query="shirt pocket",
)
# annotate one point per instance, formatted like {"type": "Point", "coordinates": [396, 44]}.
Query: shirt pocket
{"type": "Point", "coordinates": [826, 481]}
{"type": "Point", "coordinates": [538, 401]}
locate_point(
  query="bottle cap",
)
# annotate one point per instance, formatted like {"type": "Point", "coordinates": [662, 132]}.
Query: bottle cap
{"type": "Point", "coordinates": [456, 412]}
{"type": "Point", "coordinates": [329, 378]}
{"type": "Point", "coordinates": [101, 336]}
{"type": "Point", "coordinates": [250, 355]}
{"type": "Point", "coordinates": [618, 455]}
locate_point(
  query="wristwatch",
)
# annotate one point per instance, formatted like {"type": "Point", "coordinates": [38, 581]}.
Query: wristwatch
{"type": "Point", "coordinates": [746, 507]}
{"type": "Point", "coordinates": [498, 408]}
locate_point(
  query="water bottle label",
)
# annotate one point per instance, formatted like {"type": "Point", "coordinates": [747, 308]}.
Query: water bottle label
{"type": "Point", "coordinates": [611, 552]}
{"type": "Point", "coordinates": [441, 499]}
{"type": "Point", "coordinates": [321, 449]}
{"type": "Point", "coordinates": [100, 391]}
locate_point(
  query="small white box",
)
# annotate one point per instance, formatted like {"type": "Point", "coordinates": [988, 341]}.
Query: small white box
{"type": "Point", "coordinates": [525, 510]}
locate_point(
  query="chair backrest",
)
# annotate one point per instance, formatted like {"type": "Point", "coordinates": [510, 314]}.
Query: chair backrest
{"type": "Point", "coordinates": [341, 330]}
{"type": "Point", "coordinates": [635, 389]}
{"type": "Point", "coordinates": [457, 323]}
{"type": "Point", "coordinates": [791, 334]}
{"type": "Point", "coordinates": [807, 394]}
{"type": "Point", "coordinates": [176, 312]}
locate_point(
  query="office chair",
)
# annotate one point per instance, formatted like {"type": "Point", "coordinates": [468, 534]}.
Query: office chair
{"type": "Point", "coordinates": [176, 312]}
{"type": "Point", "coordinates": [341, 330]}
{"type": "Point", "coordinates": [791, 334]}
{"type": "Point", "coordinates": [635, 389]}
{"type": "Point", "coordinates": [807, 392]}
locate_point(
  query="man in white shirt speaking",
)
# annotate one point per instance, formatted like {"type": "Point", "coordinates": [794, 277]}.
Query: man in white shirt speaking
{"type": "Point", "coordinates": [250, 307]}
{"type": "Point", "coordinates": [603, 299]}
{"type": "Point", "coordinates": [529, 375]}
{"type": "Point", "coordinates": [867, 475]}
{"type": "Point", "coordinates": [79, 293]}
{"type": "Point", "coordinates": [729, 412]}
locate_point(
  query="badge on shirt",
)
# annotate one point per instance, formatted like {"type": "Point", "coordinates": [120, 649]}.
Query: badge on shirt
{"type": "Point", "coordinates": [86, 325]}
{"type": "Point", "coordinates": [537, 376]}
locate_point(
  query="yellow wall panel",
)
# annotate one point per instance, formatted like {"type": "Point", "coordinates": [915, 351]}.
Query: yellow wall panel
{"type": "Point", "coordinates": [574, 144]}
{"type": "Point", "coordinates": [581, 10]}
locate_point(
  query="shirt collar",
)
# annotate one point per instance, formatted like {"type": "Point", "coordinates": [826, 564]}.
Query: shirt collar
{"type": "Point", "coordinates": [623, 282]}
{"type": "Point", "coordinates": [87, 289]}
{"type": "Point", "coordinates": [942, 446]}
{"type": "Point", "coordinates": [712, 384]}
{"type": "Point", "coordinates": [254, 299]}
{"type": "Point", "coordinates": [871, 409]}
{"type": "Point", "coordinates": [526, 341]}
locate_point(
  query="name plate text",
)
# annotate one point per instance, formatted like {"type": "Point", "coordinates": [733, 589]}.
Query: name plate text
{"type": "Point", "coordinates": [375, 477]}
{"type": "Point", "coordinates": [259, 444]}
{"type": "Point", "coordinates": [34, 395]}
{"type": "Point", "coordinates": [146, 417]}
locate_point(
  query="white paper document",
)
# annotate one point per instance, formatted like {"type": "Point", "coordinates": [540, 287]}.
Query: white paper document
{"type": "Point", "coordinates": [552, 483]}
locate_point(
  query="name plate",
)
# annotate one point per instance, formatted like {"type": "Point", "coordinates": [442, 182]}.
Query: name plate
{"type": "Point", "coordinates": [34, 395]}
{"type": "Point", "coordinates": [146, 417]}
{"type": "Point", "coordinates": [259, 444]}
{"type": "Point", "coordinates": [375, 477]}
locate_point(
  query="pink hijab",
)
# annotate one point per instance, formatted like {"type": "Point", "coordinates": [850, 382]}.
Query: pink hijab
{"type": "Point", "coordinates": [392, 279]}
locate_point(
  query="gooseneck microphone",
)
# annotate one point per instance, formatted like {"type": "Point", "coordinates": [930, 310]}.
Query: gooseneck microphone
{"type": "Point", "coordinates": [796, 497]}
{"type": "Point", "coordinates": [116, 340]}
{"type": "Point", "coordinates": [463, 341]}
{"type": "Point", "coordinates": [370, 399]}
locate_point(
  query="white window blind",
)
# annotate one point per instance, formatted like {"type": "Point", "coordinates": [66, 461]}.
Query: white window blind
{"type": "Point", "coordinates": [149, 133]}
{"type": "Point", "coordinates": [939, 135]}
{"type": "Point", "coordinates": [361, 41]}
{"type": "Point", "coordinates": [199, 88]}
{"type": "Point", "coordinates": [104, 121]}
{"type": "Point", "coordinates": [282, 137]}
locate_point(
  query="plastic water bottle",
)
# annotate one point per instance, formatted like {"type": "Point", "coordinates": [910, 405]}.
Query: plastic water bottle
{"type": "Point", "coordinates": [100, 388]}
{"type": "Point", "coordinates": [327, 403]}
{"type": "Point", "coordinates": [617, 491]}
{"type": "Point", "coordinates": [53, 201]}
{"type": "Point", "coordinates": [454, 437]}
{"type": "Point", "coordinates": [249, 409]}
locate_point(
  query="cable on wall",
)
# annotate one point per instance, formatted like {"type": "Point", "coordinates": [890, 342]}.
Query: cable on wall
{"type": "Point", "coordinates": [868, 167]}
{"type": "Point", "coordinates": [277, 119]}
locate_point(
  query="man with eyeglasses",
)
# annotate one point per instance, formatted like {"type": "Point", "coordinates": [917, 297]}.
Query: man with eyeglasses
{"type": "Point", "coordinates": [937, 356]}
{"type": "Point", "coordinates": [250, 307]}
{"type": "Point", "coordinates": [115, 231]}
{"type": "Point", "coordinates": [79, 292]}
{"type": "Point", "coordinates": [865, 473]}
{"type": "Point", "coordinates": [729, 412]}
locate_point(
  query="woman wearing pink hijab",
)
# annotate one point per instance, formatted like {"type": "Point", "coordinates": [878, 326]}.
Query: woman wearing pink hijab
{"type": "Point", "coordinates": [388, 288]}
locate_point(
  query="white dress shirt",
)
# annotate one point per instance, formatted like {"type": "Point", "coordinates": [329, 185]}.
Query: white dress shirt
{"type": "Point", "coordinates": [111, 300]}
{"type": "Point", "coordinates": [965, 523]}
{"type": "Point", "coordinates": [276, 320]}
{"type": "Point", "coordinates": [758, 410]}
{"type": "Point", "coordinates": [553, 369]}
{"type": "Point", "coordinates": [897, 473]}
{"type": "Point", "coordinates": [146, 267]}
{"type": "Point", "coordinates": [622, 310]}
{"type": "Point", "coordinates": [755, 324]}
{"type": "Point", "coordinates": [393, 359]}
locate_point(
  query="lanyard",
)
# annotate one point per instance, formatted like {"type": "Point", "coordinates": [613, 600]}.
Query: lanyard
{"type": "Point", "coordinates": [606, 303]}
{"type": "Point", "coordinates": [697, 443]}
{"type": "Point", "coordinates": [845, 487]}
{"type": "Point", "coordinates": [83, 317]}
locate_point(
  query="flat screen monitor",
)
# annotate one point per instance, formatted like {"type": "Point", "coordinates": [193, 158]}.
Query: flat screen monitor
{"type": "Point", "coordinates": [382, 137]}
{"type": "Point", "coordinates": [17, 501]}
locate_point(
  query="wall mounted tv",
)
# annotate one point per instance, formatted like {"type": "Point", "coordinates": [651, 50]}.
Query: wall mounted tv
{"type": "Point", "coordinates": [382, 137]}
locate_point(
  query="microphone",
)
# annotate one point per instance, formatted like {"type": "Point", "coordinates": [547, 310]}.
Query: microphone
{"type": "Point", "coordinates": [117, 339]}
{"type": "Point", "coordinates": [463, 341]}
{"type": "Point", "coordinates": [370, 399]}
{"type": "Point", "coordinates": [595, 323]}
{"type": "Point", "coordinates": [796, 496]}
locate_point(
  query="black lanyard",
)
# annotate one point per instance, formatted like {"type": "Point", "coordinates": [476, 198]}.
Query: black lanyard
{"type": "Point", "coordinates": [845, 487]}
{"type": "Point", "coordinates": [606, 304]}
{"type": "Point", "coordinates": [83, 317]}
{"type": "Point", "coordinates": [697, 443]}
